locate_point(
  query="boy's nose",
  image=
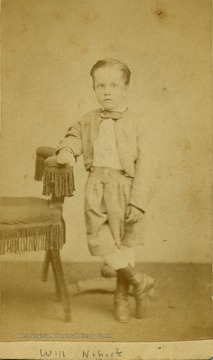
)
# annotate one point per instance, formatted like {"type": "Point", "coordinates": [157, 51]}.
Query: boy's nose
{"type": "Point", "coordinates": [106, 91]}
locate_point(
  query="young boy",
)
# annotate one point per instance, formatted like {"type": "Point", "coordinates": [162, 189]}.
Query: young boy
{"type": "Point", "coordinates": [111, 142]}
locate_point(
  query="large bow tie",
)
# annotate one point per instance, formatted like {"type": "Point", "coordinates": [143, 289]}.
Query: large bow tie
{"type": "Point", "coordinates": [114, 115]}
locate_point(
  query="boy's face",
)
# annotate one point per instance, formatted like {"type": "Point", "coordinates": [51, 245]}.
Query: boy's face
{"type": "Point", "coordinates": [110, 88]}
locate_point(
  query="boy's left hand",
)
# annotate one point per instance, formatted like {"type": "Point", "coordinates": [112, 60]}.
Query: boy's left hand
{"type": "Point", "coordinates": [133, 215]}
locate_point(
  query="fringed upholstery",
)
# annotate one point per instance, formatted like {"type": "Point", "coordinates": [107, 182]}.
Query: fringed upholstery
{"type": "Point", "coordinates": [29, 224]}
{"type": "Point", "coordinates": [58, 181]}
{"type": "Point", "coordinates": [42, 153]}
{"type": "Point", "coordinates": [35, 237]}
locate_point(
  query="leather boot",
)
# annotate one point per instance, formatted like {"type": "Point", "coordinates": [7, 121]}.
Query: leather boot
{"type": "Point", "coordinates": [122, 312]}
{"type": "Point", "coordinates": [143, 288]}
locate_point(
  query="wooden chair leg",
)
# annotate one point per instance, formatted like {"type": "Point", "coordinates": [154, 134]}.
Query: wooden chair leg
{"type": "Point", "coordinates": [57, 282]}
{"type": "Point", "coordinates": [56, 261]}
{"type": "Point", "coordinates": [46, 264]}
{"type": "Point", "coordinates": [47, 261]}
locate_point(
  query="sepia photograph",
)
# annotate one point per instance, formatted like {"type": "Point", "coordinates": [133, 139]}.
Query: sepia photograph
{"type": "Point", "coordinates": [106, 175]}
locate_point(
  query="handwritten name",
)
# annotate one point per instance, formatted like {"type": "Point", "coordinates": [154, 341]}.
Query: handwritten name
{"type": "Point", "coordinates": [88, 354]}
{"type": "Point", "coordinates": [47, 353]}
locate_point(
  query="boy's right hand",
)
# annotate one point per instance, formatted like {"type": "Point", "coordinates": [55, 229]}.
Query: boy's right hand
{"type": "Point", "coordinates": [65, 157]}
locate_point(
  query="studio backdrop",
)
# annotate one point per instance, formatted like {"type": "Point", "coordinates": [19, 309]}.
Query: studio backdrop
{"type": "Point", "coordinates": [48, 49]}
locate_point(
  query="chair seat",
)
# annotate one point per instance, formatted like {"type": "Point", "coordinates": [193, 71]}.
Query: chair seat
{"type": "Point", "coordinates": [29, 224]}
{"type": "Point", "coordinates": [27, 210]}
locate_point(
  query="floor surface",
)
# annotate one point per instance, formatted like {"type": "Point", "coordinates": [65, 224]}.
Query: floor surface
{"type": "Point", "coordinates": [182, 311]}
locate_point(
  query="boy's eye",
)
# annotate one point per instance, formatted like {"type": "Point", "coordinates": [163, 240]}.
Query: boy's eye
{"type": "Point", "coordinates": [99, 86]}
{"type": "Point", "coordinates": [114, 85]}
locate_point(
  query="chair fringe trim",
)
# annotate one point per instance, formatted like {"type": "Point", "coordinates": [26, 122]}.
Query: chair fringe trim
{"type": "Point", "coordinates": [42, 237]}
{"type": "Point", "coordinates": [58, 182]}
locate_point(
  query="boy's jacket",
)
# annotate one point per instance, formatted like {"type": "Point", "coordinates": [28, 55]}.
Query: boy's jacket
{"type": "Point", "coordinates": [130, 140]}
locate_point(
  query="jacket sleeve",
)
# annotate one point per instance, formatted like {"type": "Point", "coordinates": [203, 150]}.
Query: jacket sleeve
{"type": "Point", "coordinates": [72, 140]}
{"type": "Point", "coordinates": [139, 194]}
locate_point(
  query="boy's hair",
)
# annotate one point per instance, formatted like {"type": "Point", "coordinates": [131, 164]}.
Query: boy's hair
{"type": "Point", "coordinates": [112, 62]}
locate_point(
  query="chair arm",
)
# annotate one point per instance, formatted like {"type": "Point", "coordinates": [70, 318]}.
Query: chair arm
{"type": "Point", "coordinates": [58, 180]}
{"type": "Point", "coordinates": [42, 153]}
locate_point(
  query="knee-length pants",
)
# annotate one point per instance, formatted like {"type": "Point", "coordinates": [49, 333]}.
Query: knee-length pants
{"type": "Point", "coordinates": [107, 196]}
